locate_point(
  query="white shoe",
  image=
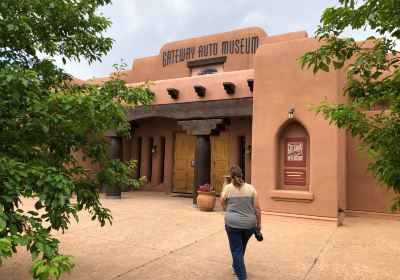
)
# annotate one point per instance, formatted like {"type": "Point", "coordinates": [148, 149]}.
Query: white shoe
{"type": "Point", "coordinates": [233, 271]}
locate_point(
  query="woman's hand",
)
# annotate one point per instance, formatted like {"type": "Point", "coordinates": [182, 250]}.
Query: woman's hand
{"type": "Point", "coordinates": [256, 205]}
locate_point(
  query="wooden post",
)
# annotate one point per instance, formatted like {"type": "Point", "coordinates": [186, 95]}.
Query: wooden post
{"type": "Point", "coordinates": [202, 166]}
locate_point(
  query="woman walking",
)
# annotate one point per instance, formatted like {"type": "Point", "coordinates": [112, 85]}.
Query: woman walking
{"type": "Point", "coordinates": [243, 215]}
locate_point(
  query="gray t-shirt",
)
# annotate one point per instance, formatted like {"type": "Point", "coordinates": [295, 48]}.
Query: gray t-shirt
{"type": "Point", "coordinates": [239, 206]}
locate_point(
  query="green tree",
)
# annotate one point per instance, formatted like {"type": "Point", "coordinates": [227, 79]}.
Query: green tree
{"type": "Point", "coordinates": [45, 118]}
{"type": "Point", "coordinates": [373, 80]}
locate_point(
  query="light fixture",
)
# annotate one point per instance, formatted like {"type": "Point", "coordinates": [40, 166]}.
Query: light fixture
{"type": "Point", "coordinates": [248, 150]}
{"type": "Point", "coordinates": [154, 149]}
{"type": "Point", "coordinates": [291, 112]}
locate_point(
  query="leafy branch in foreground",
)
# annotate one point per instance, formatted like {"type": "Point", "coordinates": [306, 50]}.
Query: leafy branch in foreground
{"type": "Point", "coordinates": [39, 134]}
{"type": "Point", "coordinates": [373, 81]}
{"type": "Point", "coordinates": [45, 119]}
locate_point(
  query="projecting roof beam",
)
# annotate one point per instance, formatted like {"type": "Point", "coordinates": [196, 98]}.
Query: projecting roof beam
{"type": "Point", "coordinates": [200, 90]}
{"type": "Point", "coordinates": [250, 83]}
{"type": "Point", "coordinates": [174, 93]}
{"type": "Point", "coordinates": [229, 87]}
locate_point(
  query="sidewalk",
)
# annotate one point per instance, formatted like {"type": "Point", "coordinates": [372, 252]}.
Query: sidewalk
{"type": "Point", "coordinates": [156, 236]}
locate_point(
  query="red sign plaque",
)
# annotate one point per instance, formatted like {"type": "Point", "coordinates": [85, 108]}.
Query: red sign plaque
{"type": "Point", "coordinates": [295, 152]}
{"type": "Point", "coordinates": [294, 177]}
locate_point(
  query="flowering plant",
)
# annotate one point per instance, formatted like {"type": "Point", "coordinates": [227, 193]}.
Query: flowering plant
{"type": "Point", "coordinates": [206, 188]}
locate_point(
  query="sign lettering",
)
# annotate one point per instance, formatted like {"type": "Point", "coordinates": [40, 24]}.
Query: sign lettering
{"type": "Point", "coordinates": [295, 152]}
{"type": "Point", "coordinates": [246, 45]}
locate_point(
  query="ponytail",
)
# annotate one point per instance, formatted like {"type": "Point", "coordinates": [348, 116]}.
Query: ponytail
{"type": "Point", "coordinates": [236, 176]}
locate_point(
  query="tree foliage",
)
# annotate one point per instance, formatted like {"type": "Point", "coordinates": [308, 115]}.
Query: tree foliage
{"type": "Point", "coordinates": [45, 118]}
{"type": "Point", "coordinates": [373, 81]}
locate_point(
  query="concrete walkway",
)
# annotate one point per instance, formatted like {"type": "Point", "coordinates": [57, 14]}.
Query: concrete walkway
{"type": "Point", "coordinates": [156, 236]}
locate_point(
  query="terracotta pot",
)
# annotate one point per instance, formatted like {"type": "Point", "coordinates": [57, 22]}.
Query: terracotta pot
{"type": "Point", "coordinates": [206, 201]}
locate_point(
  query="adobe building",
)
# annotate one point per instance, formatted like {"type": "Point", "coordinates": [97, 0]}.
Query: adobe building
{"type": "Point", "coordinates": [241, 98]}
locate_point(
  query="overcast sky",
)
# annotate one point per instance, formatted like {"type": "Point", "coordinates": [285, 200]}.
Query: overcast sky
{"type": "Point", "coordinates": [141, 27]}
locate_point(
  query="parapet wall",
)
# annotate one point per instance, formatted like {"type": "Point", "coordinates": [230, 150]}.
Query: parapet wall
{"type": "Point", "coordinates": [237, 47]}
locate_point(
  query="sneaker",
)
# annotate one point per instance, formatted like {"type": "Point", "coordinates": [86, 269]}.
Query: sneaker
{"type": "Point", "coordinates": [233, 270]}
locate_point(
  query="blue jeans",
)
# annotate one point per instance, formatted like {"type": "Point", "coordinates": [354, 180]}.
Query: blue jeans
{"type": "Point", "coordinates": [238, 239]}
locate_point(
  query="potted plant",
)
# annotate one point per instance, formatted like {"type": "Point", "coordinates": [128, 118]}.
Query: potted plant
{"type": "Point", "coordinates": [206, 198]}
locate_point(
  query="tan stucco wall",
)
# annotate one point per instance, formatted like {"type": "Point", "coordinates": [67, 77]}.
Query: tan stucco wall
{"type": "Point", "coordinates": [155, 128]}
{"type": "Point", "coordinates": [213, 84]}
{"type": "Point", "coordinates": [152, 67]}
{"type": "Point", "coordinates": [92, 168]}
{"type": "Point", "coordinates": [342, 171]}
{"type": "Point", "coordinates": [364, 193]}
{"type": "Point", "coordinates": [240, 127]}
{"type": "Point", "coordinates": [279, 84]}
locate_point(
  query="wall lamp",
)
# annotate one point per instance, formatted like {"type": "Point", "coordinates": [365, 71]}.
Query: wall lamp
{"type": "Point", "coordinates": [229, 87]}
{"type": "Point", "coordinates": [248, 150]}
{"type": "Point", "coordinates": [291, 112]}
{"type": "Point", "coordinates": [200, 90]}
{"type": "Point", "coordinates": [173, 92]}
{"type": "Point", "coordinates": [154, 149]}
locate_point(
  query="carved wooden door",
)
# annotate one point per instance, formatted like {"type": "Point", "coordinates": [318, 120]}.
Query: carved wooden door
{"type": "Point", "coordinates": [184, 150]}
{"type": "Point", "coordinates": [219, 159]}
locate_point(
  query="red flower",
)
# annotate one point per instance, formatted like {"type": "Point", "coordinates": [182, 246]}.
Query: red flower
{"type": "Point", "coordinates": [206, 188]}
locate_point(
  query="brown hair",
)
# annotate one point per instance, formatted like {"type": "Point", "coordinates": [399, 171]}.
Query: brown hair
{"type": "Point", "coordinates": [236, 175]}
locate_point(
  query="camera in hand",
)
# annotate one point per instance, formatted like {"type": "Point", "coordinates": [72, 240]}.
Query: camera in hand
{"type": "Point", "coordinates": [258, 234]}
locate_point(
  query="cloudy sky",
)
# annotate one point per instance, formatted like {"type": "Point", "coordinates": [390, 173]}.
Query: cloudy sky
{"type": "Point", "coordinates": [140, 27]}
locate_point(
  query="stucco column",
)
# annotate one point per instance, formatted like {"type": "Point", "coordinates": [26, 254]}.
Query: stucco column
{"type": "Point", "coordinates": [114, 192]}
{"type": "Point", "coordinates": [202, 166]}
{"type": "Point", "coordinates": [157, 162]}
{"type": "Point", "coordinates": [145, 158]}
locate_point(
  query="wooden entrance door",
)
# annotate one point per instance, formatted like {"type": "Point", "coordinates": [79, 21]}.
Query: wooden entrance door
{"type": "Point", "coordinates": [219, 160]}
{"type": "Point", "coordinates": [184, 151]}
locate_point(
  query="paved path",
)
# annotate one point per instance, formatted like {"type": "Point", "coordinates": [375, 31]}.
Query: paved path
{"type": "Point", "coordinates": [156, 236]}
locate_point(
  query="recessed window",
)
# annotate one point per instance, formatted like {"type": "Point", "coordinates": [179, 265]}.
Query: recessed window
{"type": "Point", "coordinates": [206, 70]}
{"type": "Point", "coordinates": [294, 157]}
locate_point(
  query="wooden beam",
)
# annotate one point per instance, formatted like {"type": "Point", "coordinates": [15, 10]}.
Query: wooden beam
{"type": "Point", "coordinates": [229, 87]}
{"type": "Point", "coordinates": [200, 90]}
{"type": "Point", "coordinates": [236, 107]}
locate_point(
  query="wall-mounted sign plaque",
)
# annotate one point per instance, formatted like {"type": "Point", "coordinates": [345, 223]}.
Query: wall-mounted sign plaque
{"type": "Point", "coordinates": [294, 177]}
{"type": "Point", "coordinates": [295, 152]}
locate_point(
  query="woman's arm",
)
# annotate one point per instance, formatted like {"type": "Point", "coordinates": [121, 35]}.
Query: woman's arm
{"type": "Point", "coordinates": [256, 205]}
{"type": "Point", "coordinates": [222, 198]}
{"type": "Point", "coordinates": [223, 202]}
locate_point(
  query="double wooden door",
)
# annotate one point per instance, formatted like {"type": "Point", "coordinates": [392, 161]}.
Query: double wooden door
{"type": "Point", "coordinates": [184, 154]}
